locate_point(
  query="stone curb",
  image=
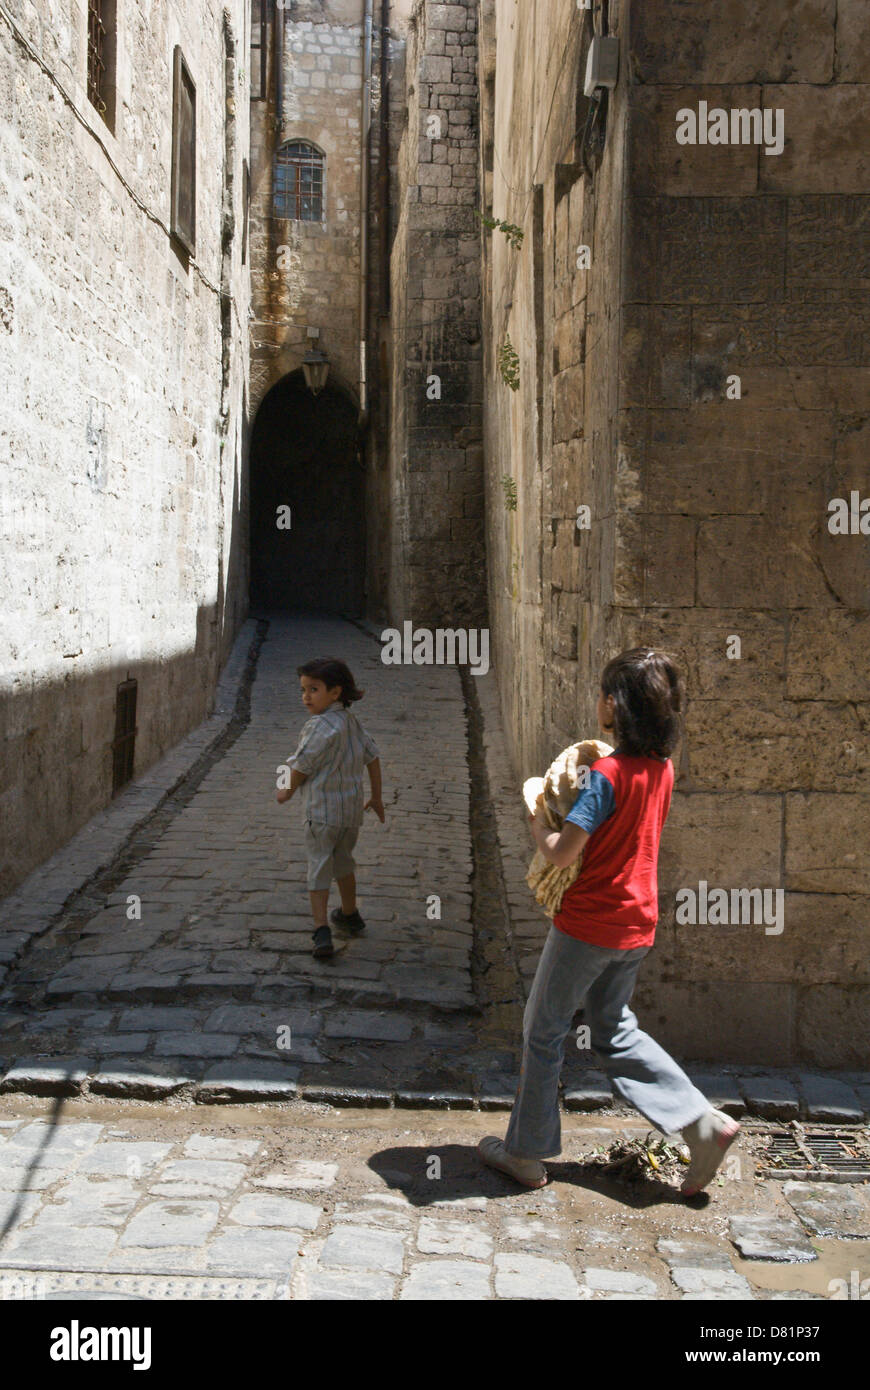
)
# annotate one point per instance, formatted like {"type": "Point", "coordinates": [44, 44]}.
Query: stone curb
{"type": "Point", "coordinates": [223, 1083]}
{"type": "Point", "coordinates": [35, 904]}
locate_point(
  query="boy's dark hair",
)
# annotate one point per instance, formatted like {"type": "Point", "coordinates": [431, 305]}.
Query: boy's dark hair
{"type": "Point", "coordinates": [647, 698]}
{"type": "Point", "coordinates": [332, 672]}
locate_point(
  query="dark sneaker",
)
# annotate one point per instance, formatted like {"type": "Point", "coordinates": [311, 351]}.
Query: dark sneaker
{"type": "Point", "coordinates": [351, 923]}
{"type": "Point", "coordinates": [323, 946]}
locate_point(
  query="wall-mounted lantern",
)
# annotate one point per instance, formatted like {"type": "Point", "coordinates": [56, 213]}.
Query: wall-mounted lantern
{"type": "Point", "coordinates": [315, 365]}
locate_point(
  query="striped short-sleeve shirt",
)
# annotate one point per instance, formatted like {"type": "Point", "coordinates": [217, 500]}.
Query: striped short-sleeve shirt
{"type": "Point", "coordinates": [333, 750]}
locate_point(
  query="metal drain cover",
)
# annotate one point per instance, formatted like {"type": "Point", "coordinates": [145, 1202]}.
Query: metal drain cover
{"type": "Point", "coordinates": [829, 1155]}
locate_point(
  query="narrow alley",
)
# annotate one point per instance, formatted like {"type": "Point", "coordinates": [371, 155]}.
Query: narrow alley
{"type": "Point", "coordinates": [512, 356]}
{"type": "Point", "coordinates": [193, 1107]}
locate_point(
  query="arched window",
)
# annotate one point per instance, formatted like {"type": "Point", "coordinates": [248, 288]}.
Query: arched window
{"type": "Point", "coordinates": [298, 189]}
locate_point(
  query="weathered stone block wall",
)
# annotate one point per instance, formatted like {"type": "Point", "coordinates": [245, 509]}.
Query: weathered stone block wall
{"type": "Point", "coordinates": [550, 441]}
{"type": "Point", "coordinates": [307, 273]}
{"type": "Point", "coordinates": [742, 263]}
{"type": "Point", "coordinates": [124, 369]}
{"type": "Point", "coordinates": [709, 514]}
{"type": "Point", "coordinates": [437, 573]}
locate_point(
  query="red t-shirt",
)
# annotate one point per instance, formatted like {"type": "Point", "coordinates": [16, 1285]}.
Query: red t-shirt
{"type": "Point", "coordinates": [614, 901]}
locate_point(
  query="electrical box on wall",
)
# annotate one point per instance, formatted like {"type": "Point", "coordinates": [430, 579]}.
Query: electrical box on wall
{"type": "Point", "coordinates": [602, 65]}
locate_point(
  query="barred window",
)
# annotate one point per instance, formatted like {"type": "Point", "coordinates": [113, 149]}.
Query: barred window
{"type": "Point", "coordinates": [101, 57]}
{"type": "Point", "coordinates": [183, 187]}
{"type": "Point", "coordinates": [298, 190]}
{"type": "Point", "coordinates": [124, 742]}
{"type": "Point", "coordinates": [259, 43]}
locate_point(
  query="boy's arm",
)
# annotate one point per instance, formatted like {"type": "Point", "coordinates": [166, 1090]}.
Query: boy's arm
{"type": "Point", "coordinates": [559, 847]}
{"type": "Point", "coordinates": [296, 780]}
{"type": "Point", "coordinates": [375, 801]}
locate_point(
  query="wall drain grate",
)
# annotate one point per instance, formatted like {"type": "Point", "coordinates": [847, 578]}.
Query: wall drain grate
{"type": "Point", "coordinates": [826, 1155]}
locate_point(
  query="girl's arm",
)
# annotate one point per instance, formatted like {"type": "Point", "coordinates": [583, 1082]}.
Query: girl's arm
{"type": "Point", "coordinates": [560, 847]}
{"type": "Point", "coordinates": [375, 802]}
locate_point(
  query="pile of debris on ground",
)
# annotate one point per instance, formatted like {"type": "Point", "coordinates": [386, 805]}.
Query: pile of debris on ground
{"type": "Point", "coordinates": [638, 1160]}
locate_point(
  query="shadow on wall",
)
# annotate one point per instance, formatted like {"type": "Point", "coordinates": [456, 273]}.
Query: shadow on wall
{"type": "Point", "coordinates": [56, 750]}
{"type": "Point", "coordinates": [305, 457]}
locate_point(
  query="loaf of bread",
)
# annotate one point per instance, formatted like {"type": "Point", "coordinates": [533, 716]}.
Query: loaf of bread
{"type": "Point", "coordinates": [551, 797]}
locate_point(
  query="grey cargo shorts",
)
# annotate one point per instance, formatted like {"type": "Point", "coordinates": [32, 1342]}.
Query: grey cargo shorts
{"type": "Point", "coordinates": [329, 849]}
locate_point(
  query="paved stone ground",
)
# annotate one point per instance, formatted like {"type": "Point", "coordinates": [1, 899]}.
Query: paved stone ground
{"type": "Point", "coordinates": [212, 994]}
{"type": "Point", "coordinates": [257, 1203]}
{"type": "Point", "coordinates": [220, 961]}
{"type": "Point", "coordinates": [134, 1181]}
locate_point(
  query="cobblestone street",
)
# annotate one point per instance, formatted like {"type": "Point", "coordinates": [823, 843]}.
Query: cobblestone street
{"type": "Point", "coordinates": [319, 1204]}
{"type": "Point", "coordinates": [199, 988]}
{"type": "Point", "coordinates": [164, 1136]}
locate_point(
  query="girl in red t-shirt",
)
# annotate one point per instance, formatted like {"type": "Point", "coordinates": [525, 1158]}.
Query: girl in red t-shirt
{"type": "Point", "coordinates": [601, 933]}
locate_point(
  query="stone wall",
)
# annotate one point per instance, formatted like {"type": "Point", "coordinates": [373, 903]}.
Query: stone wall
{"type": "Point", "coordinates": [306, 274]}
{"type": "Point", "coordinates": [124, 369]}
{"type": "Point", "coordinates": [709, 514]}
{"type": "Point", "coordinates": [435, 471]}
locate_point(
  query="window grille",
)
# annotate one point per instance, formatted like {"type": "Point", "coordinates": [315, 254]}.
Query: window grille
{"type": "Point", "coordinates": [259, 44]}
{"type": "Point", "coordinates": [183, 191]}
{"type": "Point", "coordinates": [124, 744]}
{"type": "Point", "coordinates": [97, 44]}
{"type": "Point", "coordinates": [298, 189]}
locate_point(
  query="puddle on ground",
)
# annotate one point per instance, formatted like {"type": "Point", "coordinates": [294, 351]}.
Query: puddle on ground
{"type": "Point", "coordinates": [838, 1259]}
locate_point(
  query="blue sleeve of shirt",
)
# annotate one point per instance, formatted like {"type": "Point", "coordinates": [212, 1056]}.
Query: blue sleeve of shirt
{"type": "Point", "coordinates": [594, 804]}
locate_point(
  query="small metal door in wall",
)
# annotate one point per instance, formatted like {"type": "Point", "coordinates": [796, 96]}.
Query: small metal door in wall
{"type": "Point", "coordinates": [124, 744]}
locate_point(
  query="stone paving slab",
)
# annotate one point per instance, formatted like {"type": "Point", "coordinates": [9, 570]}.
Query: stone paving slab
{"type": "Point", "coordinates": [592, 1092]}
{"type": "Point", "coordinates": [361, 1247]}
{"type": "Point", "coordinates": [825, 1209]}
{"type": "Point", "coordinates": [712, 1284]}
{"type": "Point", "coordinates": [441, 1280]}
{"type": "Point", "coordinates": [830, 1101]}
{"type": "Point", "coordinates": [531, 1277]}
{"type": "Point", "coordinates": [761, 1236]}
{"type": "Point", "coordinates": [136, 1077]}
{"type": "Point", "coordinates": [47, 1076]}
{"type": "Point", "coordinates": [722, 1090]}
{"type": "Point", "coordinates": [771, 1097]}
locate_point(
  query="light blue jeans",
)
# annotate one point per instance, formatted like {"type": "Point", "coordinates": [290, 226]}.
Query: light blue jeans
{"type": "Point", "coordinates": [572, 973]}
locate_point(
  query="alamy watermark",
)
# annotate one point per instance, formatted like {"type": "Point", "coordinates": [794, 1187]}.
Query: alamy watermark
{"type": "Point", "coordinates": [445, 646]}
{"type": "Point", "coordinates": [737, 126]}
{"type": "Point", "coordinates": [850, 518]}
{"type": "Point", "coordinates": [739, 907]}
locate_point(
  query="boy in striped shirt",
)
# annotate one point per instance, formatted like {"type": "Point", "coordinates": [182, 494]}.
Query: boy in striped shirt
{"type": "Point", "coordinates": [328, 765]}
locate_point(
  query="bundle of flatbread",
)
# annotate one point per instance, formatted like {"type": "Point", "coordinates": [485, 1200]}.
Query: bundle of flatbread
{"type": "Point", "coordinates": [552, 797]}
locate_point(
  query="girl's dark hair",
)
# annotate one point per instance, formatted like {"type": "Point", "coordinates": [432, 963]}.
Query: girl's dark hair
{"type": "Point", "coordinates": [332, 672]}
{"type": "Point", "coordinates": [647, 698]}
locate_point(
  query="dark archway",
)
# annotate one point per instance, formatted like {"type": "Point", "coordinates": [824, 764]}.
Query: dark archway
{"type": "Point", "coordinates": [305, 456]}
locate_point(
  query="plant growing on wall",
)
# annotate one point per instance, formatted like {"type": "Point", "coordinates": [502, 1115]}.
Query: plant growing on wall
{"type": "Point", "coordinates": [509, 365]}
{"type": "Point", "coordinates": [510, 492]}
{"type": "Point", "coordinates": [513, 233]}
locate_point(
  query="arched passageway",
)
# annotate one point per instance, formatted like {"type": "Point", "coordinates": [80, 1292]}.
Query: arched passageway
{"type": "Point", "coordinates": [304, 455]}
